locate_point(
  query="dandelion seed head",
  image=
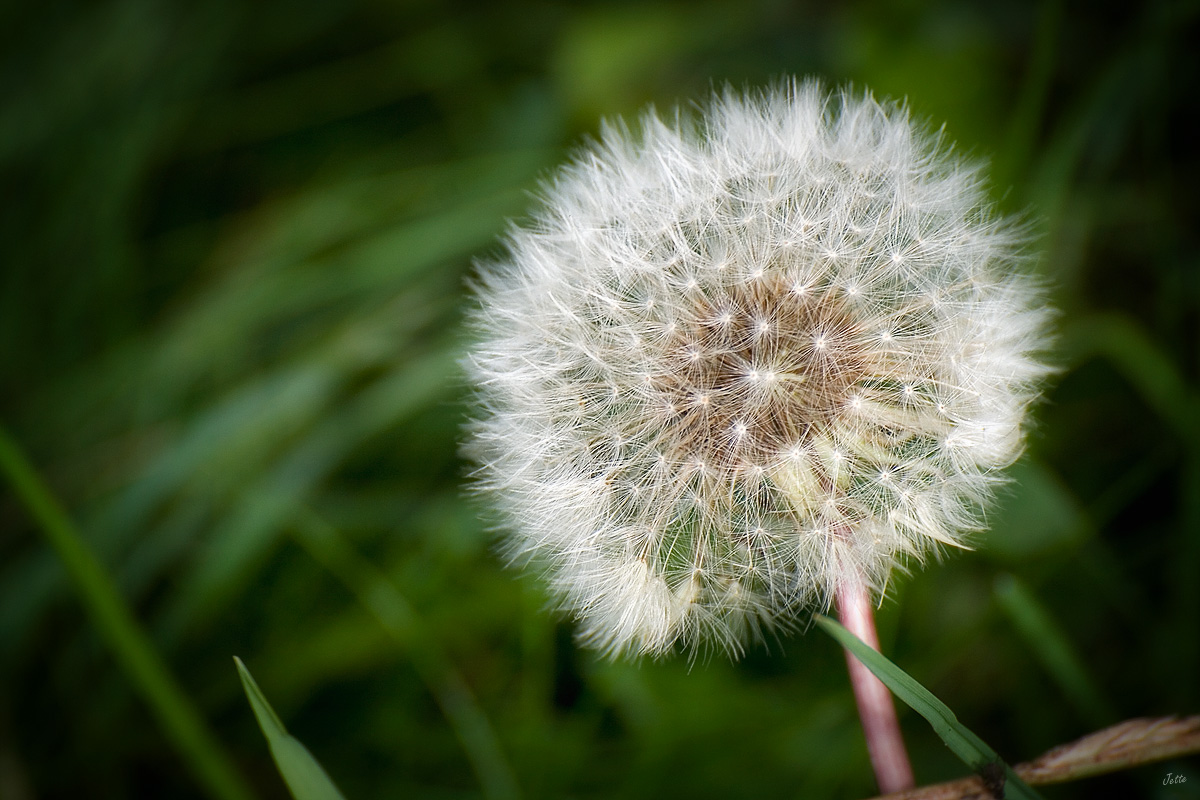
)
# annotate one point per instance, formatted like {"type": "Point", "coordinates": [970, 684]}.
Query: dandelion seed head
{"type": "Point", "coordinates": [736, 360]}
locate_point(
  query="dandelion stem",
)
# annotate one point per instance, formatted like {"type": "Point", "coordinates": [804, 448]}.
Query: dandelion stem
{"type": "Point", "coordinates": [875, 707]}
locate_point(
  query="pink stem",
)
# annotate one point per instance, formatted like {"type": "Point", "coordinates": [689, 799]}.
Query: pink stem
{"type": "Point", "coordinates": [880, 726]}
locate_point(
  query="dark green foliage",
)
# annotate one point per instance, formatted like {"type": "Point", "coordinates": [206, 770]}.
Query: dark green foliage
{"type": "Point", "coordinates": [235, 244]}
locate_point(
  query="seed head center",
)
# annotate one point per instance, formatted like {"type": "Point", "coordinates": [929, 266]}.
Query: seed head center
{"type": "Point", "coordinates": [756, 369]}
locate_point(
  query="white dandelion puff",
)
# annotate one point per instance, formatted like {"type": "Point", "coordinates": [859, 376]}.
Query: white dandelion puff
{"type": "Point", "coordinates": [736, 361]}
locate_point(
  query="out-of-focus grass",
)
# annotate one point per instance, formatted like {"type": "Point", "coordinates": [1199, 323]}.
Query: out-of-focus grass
{"type": "Point", "coordinates": [236, 238]}
{"type": "Point", "coordinates": [128, 643]}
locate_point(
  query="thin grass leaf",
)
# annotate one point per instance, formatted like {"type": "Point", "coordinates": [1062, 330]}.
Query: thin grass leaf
{"type": "Point", "coordinates": [256, 522]}
{"type": "Point", "coordinates": [1106, 100]}
{"type": "Point", "coordinates": [1039, 515]}
{"type": "Point", "coordinates": [305, 778]}
{"type": "Point", "coordinates": [1149, 370]}
{"type": "Point", "coordinates": [1029, 110]}
{"type": "Point", "coordinates": [1123, 746]}
{"type": "Point", "coordinates": [115, 623]}
{"type": "Point", "coordinates": [379, 595]}
{"type": "Point", "coordinates": [973, 751]}
{"type": "Point", "coordinates": [1053, 649]}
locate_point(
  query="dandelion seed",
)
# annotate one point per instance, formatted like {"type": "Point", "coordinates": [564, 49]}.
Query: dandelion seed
{"type": "Point", "coordinates": [758, 492]}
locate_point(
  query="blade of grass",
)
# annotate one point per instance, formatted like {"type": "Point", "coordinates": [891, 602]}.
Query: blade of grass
{"type": "Point", "coordinates": [256, 523]}
{"type": "Point", "coordinates": [383, 600]}
{"type": "Point", "coordinates": [306, 779]}
{"type": "Point", "coordinates": [1030, 107]}
{"type": "Point", "coordinates": [1126, 745]}
{"type": "Point", "coordinates": [1149, 370]}
{"type": "Point", "coordinates": [271, 277]}
{"type": "Point", "coordinates": [117, 626]}
{"type": "Point", "coordinates": [1053, 649]}
{"type": "Point", "coordinates": [974, 752]}
{"type": "Point", "coordinates": [1164, 387]}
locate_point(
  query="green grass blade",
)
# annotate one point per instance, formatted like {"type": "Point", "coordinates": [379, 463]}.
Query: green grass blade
{"type": "Point", "coordinates": [305, 778]}
{"type": "Point", "coordinates": [1029, 110]}
{"type": "Point", "coordinates": [1053, 649]}
{"type": "Point", "coordinates": [256, 523]}
{"type": "Point", "coordinates": [1149, 370]}
{"type": "Point", "coordinates": [973, 751]}
{"type": "Point", "coordinates": [376, 592]}
{"type": "Point", "coordinates": [116, 624]}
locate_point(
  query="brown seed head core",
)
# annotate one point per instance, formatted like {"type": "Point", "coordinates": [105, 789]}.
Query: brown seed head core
{"type": "Point", "coordinates": [755, 370]}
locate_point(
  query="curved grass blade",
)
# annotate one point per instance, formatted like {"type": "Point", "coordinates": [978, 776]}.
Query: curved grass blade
{"type": "Point", "coordinates": [1052, 647]}
{"type": "Point", "coordinates": [974, 752]}
{"type": "Point", "coordinates": [376, 592]}
{"type": "Point", "coordinates": [305, 778]}
{"type": "Point", "coordinates": [114, 621]}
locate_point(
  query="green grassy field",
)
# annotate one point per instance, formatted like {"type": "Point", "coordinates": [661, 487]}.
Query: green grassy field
{"type": "Point", "coordinates": [236, 239]}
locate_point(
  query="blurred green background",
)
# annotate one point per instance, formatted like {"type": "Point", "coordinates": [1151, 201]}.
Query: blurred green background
{"type": "Point", "coordinates": [235, 241]}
